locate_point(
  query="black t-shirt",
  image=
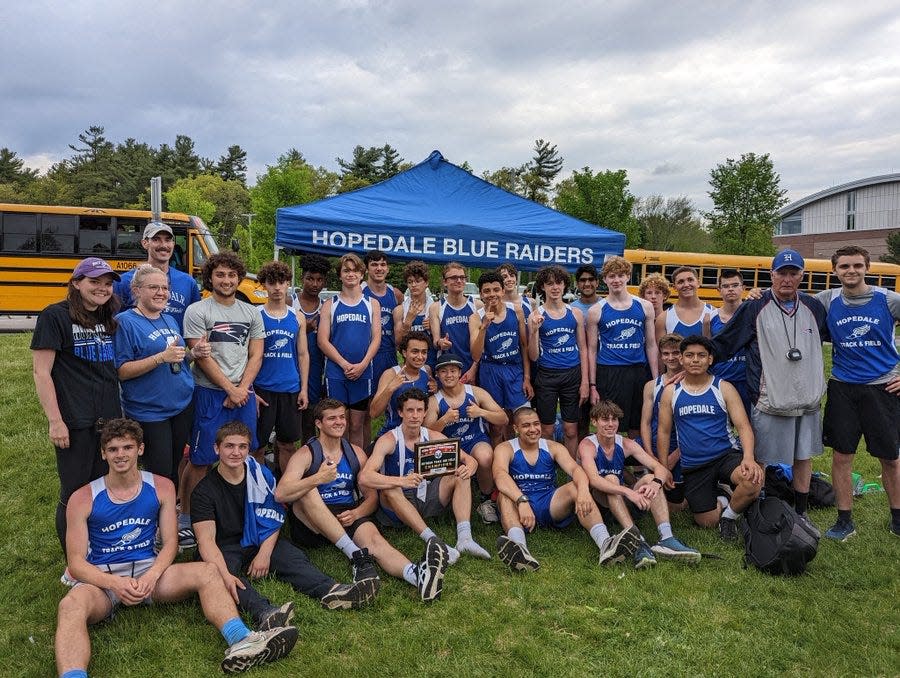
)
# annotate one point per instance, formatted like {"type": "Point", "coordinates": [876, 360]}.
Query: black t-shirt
{"type": "Point", "coordinates": [84, 372]}
{"type": "Point", "coordinates": [216, 499]}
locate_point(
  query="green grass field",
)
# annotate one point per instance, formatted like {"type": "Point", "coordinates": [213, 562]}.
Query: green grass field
{"type": "Point", "coordinates": [570, 618]}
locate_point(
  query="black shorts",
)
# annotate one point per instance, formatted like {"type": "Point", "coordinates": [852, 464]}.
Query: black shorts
{"type": "Point", "coordinates": [853, 411]}
{"type": "Point", "coordinates": [624, 385]}
{"type": "Point", "coordinates": [281, 416]}
{"type": "Point", "coordinates": [700, 481]}
{"type": "Point", "coordinates": [552, 386]}
{"type": "Point", "coordinates": [304, 537]}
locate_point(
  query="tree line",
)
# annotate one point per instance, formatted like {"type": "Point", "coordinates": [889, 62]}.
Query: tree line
{"type": "Point", "coordinates": [746, 194]}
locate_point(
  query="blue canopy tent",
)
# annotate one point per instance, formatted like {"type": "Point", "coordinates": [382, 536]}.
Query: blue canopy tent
{"type": "Point", "coordinates": [438, 212]}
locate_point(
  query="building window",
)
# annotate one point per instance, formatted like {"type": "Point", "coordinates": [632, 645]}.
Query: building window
{"type": "Point", "coordinates": [851, 211]}
{"type": "Point", "coordinates": [790, 225]}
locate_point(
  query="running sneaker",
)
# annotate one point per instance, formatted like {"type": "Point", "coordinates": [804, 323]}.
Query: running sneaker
{"type": "Point", "coordinates": [351, 596]}
{"type": "Point", "coordinates": [895, 528]}
{"type": "Point", "coordinates": [487, 510]}
{"type": "Point", "coordinates": [728, 529]}
{"type": "Point", "coordinates": [841, 531]}
{"type": "Point", "coordinates": [643, 557]}
{"type": "Point", "coordinates": [278, 617]}
{"type": "Point", "coordinates": [67, 578]}
{"type": "Point", "coordinates": [260, 647]}
{"type": "Point", "coordinates": [363, 565]}
{"type": "Point", "coordinates": [186, 539]}
{"type": "Point", "coordinates": [515, 555]}
{"type": "Point", "coordinates": [804, 518]}
{"type": "Point", "coordinates": [430, 579]}
{"type": "Point", "coordinates": [617, 548]}
{"type": "Point", "coordinates": [672, 549]}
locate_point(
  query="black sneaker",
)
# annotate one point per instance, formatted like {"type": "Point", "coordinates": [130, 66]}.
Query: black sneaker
{"type": "Point", "coordinates": [363, 565]}
{"type": "Point", "coordinates": [617, 548]}
{"type": "Point", "coordinates": [430, 572]}
{"type": "Point", "coordinates": [278, 617]}
{"type": "Point", "coordinates": [351, 596]}
{"type": "Point", "coordinates": [515, 555]}
{"type": "Point", "coordinates": [895, 528]}
{"type": "Point", "coordinates": [728, 529]}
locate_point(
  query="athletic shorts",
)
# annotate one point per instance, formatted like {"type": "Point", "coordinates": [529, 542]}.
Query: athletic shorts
{"type": "Point", "coordinates": [540, 504]}
{"type": "Point", "coordinates": [209, 415]}
{"type": "Point", "coordinates": [429, 508]}
{"type": "Point", "coordinates": [700, 481]}
{"type": "Point", "coordinates": [468, 443]}
{"type": "Point", "coordinates": [504, 384]}
{"type": "Point", "coordinates": [133, 569]}
{"type": "Point", "coordinates": [552, 386]}
{"type": "Point", "coordinates": [383, 360]}
{"type": "Point", "coordinates": [281, 416]}
{"type": "Point", "coordinates": [354, 394]}
{"type": "Point", "coordinates": [853, 411]}
{"type": "Point", "coordinates": [784, 440]}
{"type": "Point", "coordinates": [624, 385]}
{"type": "Point", "coordinates": [304, 537]}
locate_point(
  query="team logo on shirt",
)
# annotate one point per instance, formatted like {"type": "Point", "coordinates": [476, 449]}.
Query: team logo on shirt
{"type": "Point", "coordinates": [129, 537]}
{"type": "Point", "coordinates": [281, 343]}
{"type": "Point", "coordinates": [506, 344]}
{"type": "Point", "coordinates": [626, 333]}
{"type": "Point", "coordinates": [860, 331]}
{"type": "Point", "coordinates": [561, 339]}
{"type": "Point", "coordinates": [229, 332]}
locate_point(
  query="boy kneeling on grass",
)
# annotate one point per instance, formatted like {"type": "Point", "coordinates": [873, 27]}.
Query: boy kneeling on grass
{"type": "Point", "coordinates": [602, 458]}
{"type": "Point", "coordinates": [700, 408]}
{"type": "Point", "coordinates": [112, 525]}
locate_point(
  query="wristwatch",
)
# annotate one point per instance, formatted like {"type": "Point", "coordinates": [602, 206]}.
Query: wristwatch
{"type": "Point", "coordinates": [522, 500]}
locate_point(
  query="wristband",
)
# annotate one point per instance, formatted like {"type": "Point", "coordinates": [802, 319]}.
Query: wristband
{"type": "Point", "coordinates": [657, 480]}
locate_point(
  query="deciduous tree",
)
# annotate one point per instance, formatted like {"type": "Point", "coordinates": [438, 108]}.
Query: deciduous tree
{"type": "Point", "coordinates": [603, 199]}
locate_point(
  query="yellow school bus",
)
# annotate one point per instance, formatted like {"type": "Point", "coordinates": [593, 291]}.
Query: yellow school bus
{"type": "Point", "coordinates": [40, 245]}
{"type": "Point", "coordinates": [756, 271]}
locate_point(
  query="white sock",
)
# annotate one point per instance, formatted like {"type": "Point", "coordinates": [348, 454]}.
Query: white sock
{"type": "Point", "coordinates": [473, 548]}
{"type": "Point", "coordinates": [346, 545]}
{"type": "Point", "coordinates": [410, 574]}
{"type": "Point", "coordinates": [723, 501]}
{"type": "Point", "coordinates": [464, 530]}
{"type": "Point", "coordinates": [730, 513]}
{"type": "Point", "coordinates": [665, 530]}
{"type": "Point", "coordinates": [427, 534]}
{"type": "Point", "coordinates": [453, 554]}
{"type": "Point", "coordinates": [599, 534]}
{"type": "Point", "coordinates": [517, 534]}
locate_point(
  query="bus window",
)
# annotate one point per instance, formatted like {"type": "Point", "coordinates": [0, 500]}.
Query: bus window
{"type": "Point", "coordinates": [748, 275]}
{"type": "Point", "coordinates": [652, 268]}
{"type": "Point", "coordinates": [709, 276]}
{"type": "Point", "coordinates": [888, 282]}
{"type": "Point", "coordinates": [128, 236]}
{"type": "Point", "coordinates": [764, 279]}
{"type": "Point", "coordinates": [873, 280]}
{"type": "Point", "coordinates": [819, 281]}
{"type": "Point", "coordinates": [94, 236]}
{"type": "Point", "coordinates": [199, 255]}
{"type": "Point", "coordinates": [636, 275]}
{"type": "Point", "coordinates": [19, 232]}
{"type": "Point", "coordinates": [58, 233]}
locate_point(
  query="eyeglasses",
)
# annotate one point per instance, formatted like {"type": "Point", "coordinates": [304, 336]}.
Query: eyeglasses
{"type": "Point", "coordinates": [586, 280]}
{"type": "Point", "coordinates": [156, 288]}
{"type": "Point", "coordinates": [456, 278]}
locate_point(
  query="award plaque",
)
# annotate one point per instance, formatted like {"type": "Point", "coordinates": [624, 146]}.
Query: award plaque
{"type": "Point", "coordinates": [437, 457]}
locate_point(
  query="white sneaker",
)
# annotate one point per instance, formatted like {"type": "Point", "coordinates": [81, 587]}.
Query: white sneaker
{"type": "Point", "coordinates": [487, 511]}
{"type": "Point", "coordinates": [260, 647]}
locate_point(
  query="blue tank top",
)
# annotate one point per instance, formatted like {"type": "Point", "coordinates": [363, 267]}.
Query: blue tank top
{"type": "Point", "coordinates": [701, 420]}
{"type": "Point", "coordinates": [863, 338]}
{"type": "Point", "coordinates": [501, 340]}
{"type": "Point", "coordinates": [469, 430]}
{"type": "Point", "coordinates": [605, 465]}
{"type": "Point", "coordinates": [402, 461]}
{"type": "Point", "coordinates": [658, 388]}
{"type": "Point", "coordinates": [340, 490]}
{"type": "Point", "coordinates": [392, 413]}
{"type": "Point", "coordinates": [420, 324]}
{"type": "Point", "coordinates": [316, 357]}
{"type": "Point", "coordinates": [559, 341]}
{"type": "Point", "coordinates": [122, 532]}
{"type": "Point", "coordinates": [351, 333]}
{"type": "Point", "coordinates": [388, 301]}
{"type": "Point", "coordinates": [735, 368]}
{"type": "Point", "coordinates": [455, 322]}
{"type": "Point", "coordinates": [620, 334]}
{"type": "Point", "coordinates": [536, 479]}
{"type": "Point", "coordinates": [279, 371]}
{"type": "Point", "coordinates": [675, 326]}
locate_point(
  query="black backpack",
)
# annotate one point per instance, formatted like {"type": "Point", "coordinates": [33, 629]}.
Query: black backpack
{"type": "Point", "coordinates": [776, 540]}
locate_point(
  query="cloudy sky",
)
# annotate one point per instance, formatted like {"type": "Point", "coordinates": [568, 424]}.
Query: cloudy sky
{"type": "Point", "coordinates": [665, 90]}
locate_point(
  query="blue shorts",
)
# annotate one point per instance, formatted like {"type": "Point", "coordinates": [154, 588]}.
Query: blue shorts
{"type": "Point", "coordinates": [504, 383]}
{"type": "Point", "coordinates": [349, 392]}
{"type": "Point", "coordinates": [383, 360]}
{"type": "Point", "coordinates": [540, 504]}
{"type": "Point", "coordinates": [209, 415]}
{"type": "Point", "coordinates": [469, 442]}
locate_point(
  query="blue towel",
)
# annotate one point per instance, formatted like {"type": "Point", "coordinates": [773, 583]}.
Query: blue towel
{"type": "Point", "coordinates": [262, 514]}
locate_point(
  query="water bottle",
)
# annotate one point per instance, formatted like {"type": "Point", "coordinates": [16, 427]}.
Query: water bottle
{"type": "Point", "coordinates": [175, 367]}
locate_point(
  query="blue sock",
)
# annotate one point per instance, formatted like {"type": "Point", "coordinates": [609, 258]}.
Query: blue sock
{"type": "Point", "coordinates": [234, 631]}
{"type": "Point", "coordinates": [75, 673]}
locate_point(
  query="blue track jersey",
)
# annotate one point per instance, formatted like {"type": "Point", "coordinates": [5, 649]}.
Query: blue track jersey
{"type": "Point", "coordinates": [558, 341]}
{"type": "Point", "coordinates": [340, 491]}
{"type": "Point", "coordinates": [392, 413]}
{"type": "Point", "coordinates": [122, 532]}
{"type": "Point", "coordinates": [536, 479]}
{"type": "Point", "coordinates": [501, 340]}
{"type": "Point", "coordinates": [469, 430]}
{"type": "Point", "coordinates": [455, 322]}
{"type": "Point", "coordinates": [674, 325]}
{"type": "Point", "coordinates": [605, 465]}
{"type": "Point", "coordinates": [620, 334]}
{"type": "Point", "coordinates": [402, 461]}
{"type": "Point", "coordinates": [701, 420]}
{"type": "Point", "coordinates": [863, 338]}
{"type": "Point", "coordinates": [279, 371]}
{"type": "Point", "coordinates": [351, 333]}
{"type": "Point", "coordinates": [735, 368]}
{"type": "Point", "coordinates": [388, 301]}
{"type": "Point", "coordinates": [316, 357]}
{"type": "Point", "coordinates": [183, 292]}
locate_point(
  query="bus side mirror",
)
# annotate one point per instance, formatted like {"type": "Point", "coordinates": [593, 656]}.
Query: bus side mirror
{"type": "Point", "coordinates": [235, 245]}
